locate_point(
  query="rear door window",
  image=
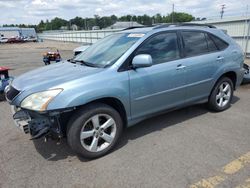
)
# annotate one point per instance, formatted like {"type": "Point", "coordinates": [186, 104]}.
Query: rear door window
{"type": "Point", "coordinates": [195, 43]}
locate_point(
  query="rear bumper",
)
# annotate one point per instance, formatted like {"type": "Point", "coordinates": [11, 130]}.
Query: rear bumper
{"type": "Point", "coordinates": [246, 78]}
{"type": "Point", "coordinates": [240, 75]}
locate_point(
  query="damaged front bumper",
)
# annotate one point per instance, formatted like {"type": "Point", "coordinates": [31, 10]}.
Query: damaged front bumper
{"type": "Point", "coordinates": [38, 124]}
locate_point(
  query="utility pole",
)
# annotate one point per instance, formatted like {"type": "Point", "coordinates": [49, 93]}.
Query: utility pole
{"type": "Point", "coordinates": [85, 23]}
{"type": "Point", "coordinates": [246, 36]}
{"type": "Point", "coordinates": [173, 14]}
{"type": "Point", "coordinates": [222, 10]}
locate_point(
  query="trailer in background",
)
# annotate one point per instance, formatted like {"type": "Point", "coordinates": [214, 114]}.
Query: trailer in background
{"type": "Point", "coordinates": [18, 34]}
{"type": "Point", "coordinates": [10, 32]}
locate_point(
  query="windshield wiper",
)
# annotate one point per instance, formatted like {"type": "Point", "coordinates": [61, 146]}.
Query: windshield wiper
{"type": "Point", "coordinates": [82, 62]}
{"type": "Point", "coordinates": [71, 60]}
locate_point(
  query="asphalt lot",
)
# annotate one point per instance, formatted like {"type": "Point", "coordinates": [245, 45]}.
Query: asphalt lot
{"type": "Point", "coordinates": [192, 147]}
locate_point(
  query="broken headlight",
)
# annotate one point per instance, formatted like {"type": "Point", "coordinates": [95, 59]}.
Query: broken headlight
{"type": "Point", "coordinates": [39, 101]}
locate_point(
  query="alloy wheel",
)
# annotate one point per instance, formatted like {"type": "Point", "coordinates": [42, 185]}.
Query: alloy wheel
{"type": "Point", "coordinates": [98, 132]}
{"type": "Point", "coordinates": [224, 94]}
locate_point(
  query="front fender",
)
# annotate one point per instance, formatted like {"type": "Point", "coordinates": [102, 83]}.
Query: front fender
{"type": "Point", "coordinates": [77, 95]}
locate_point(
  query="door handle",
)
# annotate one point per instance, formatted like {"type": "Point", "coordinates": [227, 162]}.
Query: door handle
{"type": "Point", "coordinates": [180, 67]}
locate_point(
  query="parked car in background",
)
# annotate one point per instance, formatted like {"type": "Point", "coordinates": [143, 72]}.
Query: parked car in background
{"type": "Point", "coordinates": [15, 40]}
{"type": "Point", "coordinates": [30, 39]}
{"type": "Point", "coordinates": [3, 40]}
{"type": "Point", "coordinates": [80, 49]}
{"type": "Point", "coordinates": [123, 79]}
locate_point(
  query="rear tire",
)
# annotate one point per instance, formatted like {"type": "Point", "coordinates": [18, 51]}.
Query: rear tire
{"type": "Point", "coordinates": [221, 96]}
{"type": "Point", "coordinates": [94, 130]}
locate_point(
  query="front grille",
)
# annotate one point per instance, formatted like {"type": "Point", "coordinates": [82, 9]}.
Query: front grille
{"type": "Point", "coordinates": [11, 93]}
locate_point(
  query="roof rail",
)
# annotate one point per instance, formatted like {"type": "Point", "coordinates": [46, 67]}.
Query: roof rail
{"type": "Point", "coordinates": [199, 25]}
{"type": "Point", "coordinates": [183, 24]}
{"type": "Point", "coordinates": [136, 27]}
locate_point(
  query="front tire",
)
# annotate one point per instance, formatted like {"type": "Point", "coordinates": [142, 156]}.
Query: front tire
{"type": "Point", "coordinates": [221, 96]}
{"type": "Point", "coordinates": [94, 130]}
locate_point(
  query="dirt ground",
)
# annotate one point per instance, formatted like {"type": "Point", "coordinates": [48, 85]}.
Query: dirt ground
{"type": "Point", "coordinates": [192, 147]}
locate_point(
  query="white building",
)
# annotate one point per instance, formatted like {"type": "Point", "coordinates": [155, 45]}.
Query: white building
{"type": "Point", "coordinates": [9, 32]}
{"type": "Point", "coordinates": [123, 25]}
{"type": "Point", "coordinates": [28, 32]}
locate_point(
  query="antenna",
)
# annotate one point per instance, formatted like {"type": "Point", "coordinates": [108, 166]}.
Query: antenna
{"type": "Point", "coordinates": [222, 10]}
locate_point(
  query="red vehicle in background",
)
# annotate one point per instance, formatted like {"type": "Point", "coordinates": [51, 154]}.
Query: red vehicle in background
{"type": "Point", "coordinates": [15, 40]}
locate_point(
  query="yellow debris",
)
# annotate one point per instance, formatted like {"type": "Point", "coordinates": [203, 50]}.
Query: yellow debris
{"type": "Point", "coordinates": [209, 182]}
{"type": "Point", "coordinates": [231, 168]}
{"type": "Point", "coordinates": [237, 164]}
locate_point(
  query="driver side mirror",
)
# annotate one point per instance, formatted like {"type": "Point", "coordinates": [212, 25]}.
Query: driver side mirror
{"type": "Point", "coordinates": [142, 60]}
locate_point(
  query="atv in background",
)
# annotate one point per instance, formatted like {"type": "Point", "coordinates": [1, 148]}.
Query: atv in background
{"type": "Point", "coordinates": [51, 56]}
{"type": "Point", "coordinates": [5, 79]}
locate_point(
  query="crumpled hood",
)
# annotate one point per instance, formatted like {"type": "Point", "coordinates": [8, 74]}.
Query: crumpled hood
{"type": "Point", "coordinates": [50, 76]}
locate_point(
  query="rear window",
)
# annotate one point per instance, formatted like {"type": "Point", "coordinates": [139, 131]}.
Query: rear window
{"type": "Point", "coordinates": [220, 44]}
{"type": "Point", "coordinates": [195, 43]}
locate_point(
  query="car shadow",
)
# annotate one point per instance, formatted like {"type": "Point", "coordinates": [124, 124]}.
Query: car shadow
{"type": "Point", "coordinates": [53, 152]}
{"type": "Point", "coordinates": [163, 121]}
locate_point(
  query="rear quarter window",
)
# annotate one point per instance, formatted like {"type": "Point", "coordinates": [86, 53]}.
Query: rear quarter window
{"type": "Point", "coordinates": [211, 45]}
{"type": "Point", "coordinates": [220, 44]}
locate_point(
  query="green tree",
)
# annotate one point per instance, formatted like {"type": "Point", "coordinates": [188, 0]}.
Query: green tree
{"type": "Point", "coordinates": [106, 21]}
{"type": "Point", "coordinates": [57, 23]}
{"type": "Point", "coordinates": [77, 21]}
{"type": "Point", "coordinates": [179, 17]}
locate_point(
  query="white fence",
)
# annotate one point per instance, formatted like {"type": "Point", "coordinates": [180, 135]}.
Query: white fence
{"type": "Point", "coordinates": [238, 28]}
{"type": "Point", "coordinates": [88, 37]}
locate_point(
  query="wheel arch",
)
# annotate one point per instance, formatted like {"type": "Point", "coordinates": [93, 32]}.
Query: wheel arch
{"type": "Point", "coordinates": [110, 101]}
{"type": "Point", "coordinates": [114, 103]}
{"type": "Point", "coordinates": [232, 75]}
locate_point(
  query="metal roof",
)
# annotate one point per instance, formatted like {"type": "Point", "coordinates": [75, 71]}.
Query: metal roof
{"type": "Point", "coordinates": [9, 29]}
{"type": "Point", "coordinates": [231, 19]}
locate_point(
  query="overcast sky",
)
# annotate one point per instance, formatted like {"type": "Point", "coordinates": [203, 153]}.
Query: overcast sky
{"type": "Point", "coordinates": [32, 11]}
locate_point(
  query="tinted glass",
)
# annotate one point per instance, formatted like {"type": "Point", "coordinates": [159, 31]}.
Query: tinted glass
{"type": "Point", "coordinates": [162, 48]}
{"type": "Point", "coordinates": [211, 45]}
{"type": "Point", "coordinates": [195, 43]}
{"type": "Point", "coordinates": [221, 45]}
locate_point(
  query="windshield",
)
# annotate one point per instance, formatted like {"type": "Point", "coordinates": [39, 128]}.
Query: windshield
{"type": "Point", "coordinates": [108, 50]}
